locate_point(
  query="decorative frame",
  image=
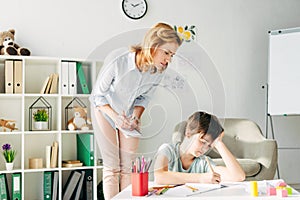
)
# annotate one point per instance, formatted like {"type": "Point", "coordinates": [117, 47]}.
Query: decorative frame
{"type": "Point", "coordinates": [40, 104]}
{"type": "Point", "coordinates": [70, 107]}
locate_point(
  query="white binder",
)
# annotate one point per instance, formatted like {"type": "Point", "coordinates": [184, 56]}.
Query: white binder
{"type": "Point", "coordinates": [72, 78]}
{"type": "Point", "coordinates": [64, 77]}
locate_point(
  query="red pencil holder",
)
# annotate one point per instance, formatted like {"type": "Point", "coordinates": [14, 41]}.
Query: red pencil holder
{"type": "Point", "coordinates": [139, 183]}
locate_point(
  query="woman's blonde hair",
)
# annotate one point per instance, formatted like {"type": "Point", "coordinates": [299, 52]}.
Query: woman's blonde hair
{"type": "Point", "coordinates": [158, 35]}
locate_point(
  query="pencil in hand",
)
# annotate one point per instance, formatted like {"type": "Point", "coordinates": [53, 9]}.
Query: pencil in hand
{"type": "Point", "coordinates": [210, 167]}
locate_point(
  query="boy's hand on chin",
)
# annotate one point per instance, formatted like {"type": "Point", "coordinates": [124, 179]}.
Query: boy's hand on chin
{"type": "Point", "coordinates": [219, 140]}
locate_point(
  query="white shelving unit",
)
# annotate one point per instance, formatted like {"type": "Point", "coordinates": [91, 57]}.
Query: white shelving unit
{"type": "Point", "coordinates": [31, 144]}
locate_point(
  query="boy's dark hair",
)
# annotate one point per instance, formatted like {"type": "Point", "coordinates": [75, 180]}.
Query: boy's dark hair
{"type": "Point", "coordinates": [205, 123]}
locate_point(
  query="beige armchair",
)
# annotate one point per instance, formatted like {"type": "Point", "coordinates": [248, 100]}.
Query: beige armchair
{"type": "Point", "coordinates": [256, 154]}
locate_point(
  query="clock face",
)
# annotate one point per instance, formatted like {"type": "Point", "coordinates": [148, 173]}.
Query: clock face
{"type": "Point", "coordinates": [134, 9]}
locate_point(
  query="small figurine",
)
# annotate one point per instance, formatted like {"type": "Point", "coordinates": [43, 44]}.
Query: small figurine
{"type": "Point", "coordinates": [8, 124]}
{"type": "Point", "coordinates": [79, 121]}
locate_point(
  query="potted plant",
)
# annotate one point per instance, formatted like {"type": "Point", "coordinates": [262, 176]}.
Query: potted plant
{"type": "Point", "coordinates": [41, 119]}
{"type": "Point", "coordinates": [9, 155]}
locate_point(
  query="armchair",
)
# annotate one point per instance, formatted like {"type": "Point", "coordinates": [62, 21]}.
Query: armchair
{"type": "Point", "coordinates": [256, 154]}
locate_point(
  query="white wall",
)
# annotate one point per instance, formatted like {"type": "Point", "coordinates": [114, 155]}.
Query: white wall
{"type": "Point", "coordinates": [234, 33]}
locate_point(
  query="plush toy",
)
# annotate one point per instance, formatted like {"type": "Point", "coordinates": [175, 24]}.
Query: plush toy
{"type": "Point", "coordinates": [8, 124]}
{"type": "Point", "coordinates": [8, 45]}
{"type": "Point", "coordinates": [79, 121]}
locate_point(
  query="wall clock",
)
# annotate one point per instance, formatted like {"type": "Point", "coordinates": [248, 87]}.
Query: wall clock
{"type": "Point", "coordinates": [134, 9]}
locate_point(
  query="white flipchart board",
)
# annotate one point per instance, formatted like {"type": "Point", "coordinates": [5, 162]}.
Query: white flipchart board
{"type": "Point", "coordinates": [284, 72]}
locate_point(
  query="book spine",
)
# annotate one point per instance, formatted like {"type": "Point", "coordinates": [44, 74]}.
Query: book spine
{"type": "Point", "coordinates": [47, 185]}
{"type": "Point", "coordinates": [4, 195]}
{"type": "Point", "coordinates": [47, 91]}
{"type": "Point", "coordinates": [64, 77]}
{"type": "Point", "coordinates": [85, 148]}
{"type": "Point", "coordinates": [89, 185]}
{"type": "Point", "coordinates": [43, 89]}
{"type": "Point", "coordinates": [16, 186]}
{"type": "Point", "coordinates": [82, 79]}
{"type": "Point", "coordinates": [79, 187]}
{"type": "Point", "coordinates": [54, 155]}
{"type": "Point", "coordinates": [55, 186]}
{"type": "Point", "coordinates": [53, 88]}
{"type": "Point", "coordinates": [72, 78]}
{"type": "Point", "coordinates": [2, 78]}
{"type": "Point", "coordinates": [48, 156]}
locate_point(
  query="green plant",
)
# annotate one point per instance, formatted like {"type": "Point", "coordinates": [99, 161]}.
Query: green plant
{"type": "Point", "coordinates": [40, 116]}
{"type": "Point", "coordinates": [8, 153]}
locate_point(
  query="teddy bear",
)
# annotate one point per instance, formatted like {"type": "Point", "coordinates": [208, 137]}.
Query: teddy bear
{"type": "Point", "coordinates": [79, 121]}
{"type": "Point", "coordinates": [8, 45]}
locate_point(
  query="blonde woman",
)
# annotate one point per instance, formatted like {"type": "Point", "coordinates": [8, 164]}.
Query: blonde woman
{"type": "Point", "coordinates": [121, 93]}
{"type": "Point", "coordinates": [185, 161]}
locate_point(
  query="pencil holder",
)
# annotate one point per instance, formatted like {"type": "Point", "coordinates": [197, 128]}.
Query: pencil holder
{"type": "Point", "coordinates": [139, 183]}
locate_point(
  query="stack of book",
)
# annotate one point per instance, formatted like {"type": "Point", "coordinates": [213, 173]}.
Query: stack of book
{"type": "Point", "coordinates": [52, 155]}
{"type": "Point", "coordinates": [50, 84]}
{"type": "Point", "coordinates": [71, 163]}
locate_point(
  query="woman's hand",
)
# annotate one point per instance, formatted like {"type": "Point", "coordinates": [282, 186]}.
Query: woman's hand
{"type": "Point", "coordinates": [122, 121]}
{"type": "Point", "coordinates": [129, 123]}
{"type": "Point", "coordinates": [135, 123]}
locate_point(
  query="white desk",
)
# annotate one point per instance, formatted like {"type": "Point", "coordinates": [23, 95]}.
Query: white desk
{"type": "Point", "coordinates": [234, 192]}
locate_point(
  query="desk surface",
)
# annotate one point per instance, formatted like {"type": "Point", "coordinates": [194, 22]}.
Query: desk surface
{"type": "Point", "coordinates": [232, 192]}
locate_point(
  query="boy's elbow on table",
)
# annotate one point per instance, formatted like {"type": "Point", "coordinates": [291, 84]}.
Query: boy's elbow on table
{"type": "Point", "coordinates": [242, 176]}
{"type": "Point", "coordinates": [239, 177]}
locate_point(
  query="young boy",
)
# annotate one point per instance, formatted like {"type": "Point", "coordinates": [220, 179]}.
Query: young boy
{"type": "Point", "coordinates": [185, 162]}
